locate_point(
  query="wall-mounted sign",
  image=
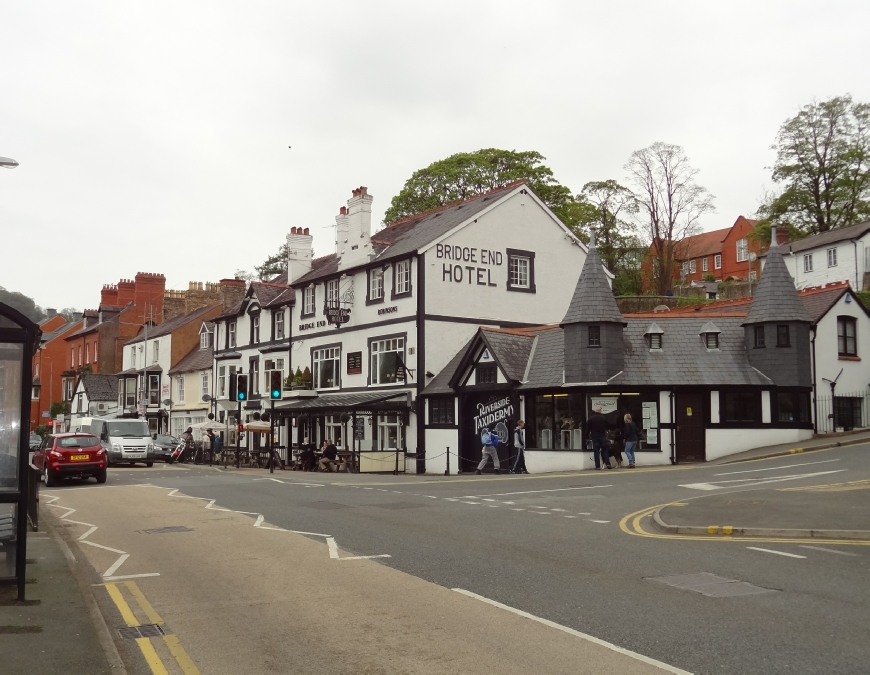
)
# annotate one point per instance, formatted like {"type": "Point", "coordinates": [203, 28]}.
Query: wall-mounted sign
{"type": "Point", "coordinates": [607, 403]}
{"type": "Point", "coordinates": [312, 324]}
{"type": "Point", "coordinates": [388, 310]}
{"type": "Point", "coordinates": [337, 315]}
{"type": "Point", "coordinates": [489, 414]}
{"type": "Point", "coordinates": [359, 429]}
{"type": "Point", "coordinates": [354, 363]}
{"type": "Point", "coordinates": [472, 274]}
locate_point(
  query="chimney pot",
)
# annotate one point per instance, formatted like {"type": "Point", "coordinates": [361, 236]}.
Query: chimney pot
{"type": "Point", "coordinates": [342, 211]}
{"type": "Point", "coordinates": [305, 232]}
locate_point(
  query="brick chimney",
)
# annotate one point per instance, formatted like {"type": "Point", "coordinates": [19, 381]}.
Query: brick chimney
{"type": "Point", "coordinates": [232, 291]}
{"type": "Point", "coordinates": [342, 226]}
{"type": "Point", "coordinates": [301, 253]}
{"type": "Point", "coordinates": [50, 312]}
{"type": "Point", "coordinates": [126, 292]}
{"type": "Point", "coordinates": [359, 236]}
{"type": "Point", "coordinates": [109, 295]}
{"type": "Point", "coordinates": [149, 295]}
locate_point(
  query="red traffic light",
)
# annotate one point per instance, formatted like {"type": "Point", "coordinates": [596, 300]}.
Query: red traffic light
{"type": "Point", "coordinates": [241, 427]}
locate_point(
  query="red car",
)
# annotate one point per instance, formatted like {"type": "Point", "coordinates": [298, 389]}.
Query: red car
{"type": "Point", "coordinates": [70, 455]}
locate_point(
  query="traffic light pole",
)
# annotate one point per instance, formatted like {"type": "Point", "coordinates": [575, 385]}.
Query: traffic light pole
{"type": "Point", "coordinates": [272, 436]}
{"type": "Point", "coordinates": [238, 433]}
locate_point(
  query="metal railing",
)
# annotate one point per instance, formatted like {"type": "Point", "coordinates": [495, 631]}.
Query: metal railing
{"type": "Point", "coordinates": [33, 498]}
{"type": "Point", "coordinates": [843, 412]}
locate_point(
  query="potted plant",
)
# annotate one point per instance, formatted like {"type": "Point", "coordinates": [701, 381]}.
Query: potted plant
{"type": "Point", "coordinates": [297, 379]}
{"type": "Point", "coordinates": [306, 378]}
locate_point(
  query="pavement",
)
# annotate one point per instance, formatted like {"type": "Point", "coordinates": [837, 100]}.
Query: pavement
{"type": "Point", "coordinates": [53, 630]}
{"type": "Point", "coordinates": [818, 442]}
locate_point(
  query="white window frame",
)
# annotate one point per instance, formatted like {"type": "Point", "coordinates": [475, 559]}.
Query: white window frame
{"type": "Point", "coordinates": [204, 340]}
{"type": "Point", "coordinates": [205, 391]}
{"type": "Point", "coordinates": [87, 353]}
{"type": "Point", "coordinates": [389, 421]}
{"type": "Point", "coordinates": [832, 257]}
{"type": "Point", "coordinates": [333, 287]}
{"type": "Point", "coordinates": [231, 335]}
{"type": "Point", "coordinates": [222, 381]}
{"type": "Point", "coordinates": [72, 357]}
{"type": "Point", "coordinates": [308, 308]}
{"type": "Point", "coordinates": [377, 350]}
{"type": "Point", "coordinates": [155, 352]}
{"type": "Point", "coordinates": [693, 267]}
{"type": "Point", "coordinates": [322, 356]}
{"type": "Point", "coordinates": [717, 261]}
{"type": "Point", "coordinates": [519, 271]}
{"type": "Point", "coordinates": [376, 283]}
{"type": "Point", "coordinates": [255, 328]}
{"type": "Point", "coordinates": [179, 389]}
{"type": "Point", "coordinates": [402, 277]}
{"type": "Point", "coordinates": [742, 250]}
{"type": "Point", "coordinates": [279, 324]}
{"type": "Point", "coordinates": [808, 262]}
{"type": "Point", "coordinates": [704, 264]}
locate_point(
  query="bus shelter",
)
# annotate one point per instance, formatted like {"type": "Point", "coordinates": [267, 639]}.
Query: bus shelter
{"type": "Point", "coordinates": [19, 336]}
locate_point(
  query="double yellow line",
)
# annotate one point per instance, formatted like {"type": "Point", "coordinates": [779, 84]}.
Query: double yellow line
{"type": "Point", "coordinates": [151, 657]}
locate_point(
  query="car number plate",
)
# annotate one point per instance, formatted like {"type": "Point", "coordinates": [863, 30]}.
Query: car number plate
{"type": "Point", "coordinates": [135, 455]}
{"type": "Point", "coordinates": [78, 457]}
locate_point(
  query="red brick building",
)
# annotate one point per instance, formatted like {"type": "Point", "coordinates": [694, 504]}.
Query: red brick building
{"type": "Point", "coordinates": [51, 368]}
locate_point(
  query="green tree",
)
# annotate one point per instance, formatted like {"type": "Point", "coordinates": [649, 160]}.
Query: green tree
{"type": "Point", "coordinates": [822, 157]}
{"type": "Point", "coordinates": [274, 264]}
{"type": "Point", "coordinates": [670, 204]}
{"type": "Point", "coordinates": [467, 174]}
{"type": "Point", "coordinates": [59, 408]}
{"type": "Point", "coordinates": [23, 304]}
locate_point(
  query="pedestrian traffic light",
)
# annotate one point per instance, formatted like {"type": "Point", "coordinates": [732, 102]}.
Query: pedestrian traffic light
{"type": "Point", "coordinates": [241, 427]}
{"type": "Point", "coordinates": [275, 384]}
{"type": "Point", "coordinates": [233, 389]}
{"type": "Point", "coordinates": [242, 388]}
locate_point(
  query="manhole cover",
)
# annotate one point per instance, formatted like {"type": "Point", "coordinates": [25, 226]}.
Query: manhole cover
{"type": "Point", "coordinates": [135, 632]}
{"type": "Point", "coordinates": [168, 530]}
{"type": "Point", "coordinates": [711, 585]}
{"type": "Point", "coordinates": [746, 502]}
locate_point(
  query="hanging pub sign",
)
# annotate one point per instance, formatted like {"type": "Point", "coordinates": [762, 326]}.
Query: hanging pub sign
{"type": "Point", "coordinates": [337, 315]}
{"type": "Point", "coordinates": [354, 363]}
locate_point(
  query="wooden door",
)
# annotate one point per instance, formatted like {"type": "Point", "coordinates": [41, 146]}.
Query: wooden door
{"type": "Point", "coordinates": [690, 445]}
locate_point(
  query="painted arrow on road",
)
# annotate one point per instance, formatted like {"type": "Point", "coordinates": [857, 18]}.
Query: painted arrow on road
{"type": "Point", "coordinates": [745, 482]}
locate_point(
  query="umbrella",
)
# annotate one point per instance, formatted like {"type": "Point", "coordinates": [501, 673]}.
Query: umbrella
{"type": "Point", "coordinates": [211, 424]}
{"type": "Point", "coordinates": [261, 427]}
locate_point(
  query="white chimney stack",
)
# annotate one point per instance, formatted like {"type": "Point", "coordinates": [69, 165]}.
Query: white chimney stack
{"type": "Point", "coordinates": [342, 226]}
{"type": "Point", "coordinates": [300, 253]}
{"type": "Point", "coordinates": [359, 233]}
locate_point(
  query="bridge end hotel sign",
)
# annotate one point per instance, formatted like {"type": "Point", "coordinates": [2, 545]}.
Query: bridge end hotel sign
{"type": "Point", "coordinates": [458, 270]}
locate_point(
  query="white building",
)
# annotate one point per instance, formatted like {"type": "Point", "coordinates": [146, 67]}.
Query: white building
{"type": "Point", "coordinates": [95, 396]}
{"type": "Point", "coordinates": [192, 384]}
{"type": "Point", "coordinates": [377, 319]}
{"type": "Point", "coordinates": [838, 255]}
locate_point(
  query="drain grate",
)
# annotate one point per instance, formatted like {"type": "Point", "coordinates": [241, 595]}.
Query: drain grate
{"type": "Point", "coordinates": [136, 632]}
{"type": "Point", "coordinates": [711, 585]}
{"type": "Point", "coordinates": [167, 530]}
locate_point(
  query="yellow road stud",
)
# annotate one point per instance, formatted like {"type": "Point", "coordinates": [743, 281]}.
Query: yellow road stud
{"type": "Point", "coordinates": [712, 529]}
{"type": "Point", "coordinates": [727, 529]}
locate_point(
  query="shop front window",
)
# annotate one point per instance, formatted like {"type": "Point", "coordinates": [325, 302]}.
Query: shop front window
{"type": "Point", "coordinates": [335, 430]}
{"type": "Point", "coordinates": [389, 432]}
{"type": "Point", "coordinates": [794, 406]}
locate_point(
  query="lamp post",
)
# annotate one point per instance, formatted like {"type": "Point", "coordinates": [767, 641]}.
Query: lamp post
{"type": "Point", "coordinates": [8, 163]}
{"type": "Point", "coordinates": [50, 380]}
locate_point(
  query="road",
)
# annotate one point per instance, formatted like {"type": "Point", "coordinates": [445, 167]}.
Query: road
{"type": "Point", "coordinates": [578, 550]}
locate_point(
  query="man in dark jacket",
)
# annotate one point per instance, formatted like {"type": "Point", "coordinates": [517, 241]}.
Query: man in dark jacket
{"type": "Point", "coordinates": [330, 452]}
{"type": "Point", "coordinates": [596, 427]}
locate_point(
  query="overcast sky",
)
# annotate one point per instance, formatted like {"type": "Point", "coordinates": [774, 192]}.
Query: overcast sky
{"type": "Point", "coordinates": [153, 136]}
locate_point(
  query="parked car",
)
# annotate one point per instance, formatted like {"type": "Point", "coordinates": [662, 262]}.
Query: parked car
{"type": "Point", "coordinates": [164, 445]}
{"type": "Point", "coordinates": [72, 455]}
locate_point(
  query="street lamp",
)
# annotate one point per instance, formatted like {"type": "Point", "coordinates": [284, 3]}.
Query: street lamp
{"type": "Point", "coordinates": [8, 163]}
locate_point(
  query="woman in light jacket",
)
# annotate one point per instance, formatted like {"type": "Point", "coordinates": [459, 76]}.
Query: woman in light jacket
{"type": "Point", "coordinates": [629, 435]}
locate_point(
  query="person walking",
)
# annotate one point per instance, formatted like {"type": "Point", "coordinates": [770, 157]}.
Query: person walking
{"type": "Point", "coordinates": [596, 426]}
{"type": "Point", "coordinates": [520, 445]}
{"type": "Point", "coordinates": [206, 447]}
{"type": "Point", "coordinates": [630, 436]}
{"type": "Point", "coordinates": [217, 445]}
{"type": "Point", "coordinates": [490, 449]}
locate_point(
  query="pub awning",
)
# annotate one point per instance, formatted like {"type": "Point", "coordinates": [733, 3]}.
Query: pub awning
{"type": "Point", "coordinates": [339, 403]}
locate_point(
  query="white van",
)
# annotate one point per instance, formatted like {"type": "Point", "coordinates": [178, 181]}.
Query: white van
{"type": "Point", "coordinates": [124, 440]}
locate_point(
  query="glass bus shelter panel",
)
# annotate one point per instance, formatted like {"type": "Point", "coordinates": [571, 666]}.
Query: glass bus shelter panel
{"type": "Point", "coordinates": [11, 366]}
{"type": "Point", "coordinates": [8, 535]}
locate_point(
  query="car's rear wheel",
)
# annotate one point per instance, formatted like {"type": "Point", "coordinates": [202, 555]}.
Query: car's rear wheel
{"type": "Point", "coordinates": [149, 464]}
{"type": "Point", "coordinates": [49, 478]}
{"type": "Point", "coordinates": [101, 476]}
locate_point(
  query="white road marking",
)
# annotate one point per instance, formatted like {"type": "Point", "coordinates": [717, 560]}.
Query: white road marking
{"type": "Point", "coordinates": [776, 468]}
{"type": "Point", "coordinates": [560, 510]}
{"type": "Point", "coordinates": [430, 497]}
{"type": "Point", "coordinates": [131, 576]}
{"type": "Point", "coordinates": [541, 513]}
{"type": "Point", "coordinates": [829, 550]}
{"type": "Point", "coordinates": [575, 633]}
{"type": "Point", "coordinates": [291, 482]}
{"type": "Point", "coordinates": [471, 502]}
{"type": "Point", "coordinates": [767, 550]}
{"type": "Point", "coordinates": [569, 516]}
{"type": "Point", "coordinates": [537, 507]}
{"type": "Point", "coordinates": [489, 500]}
{"type": "Point", "coordinates": [579, 513]}
{"type": "Point", "coordinates": [531, 492]}
{"type": "Point", "coordinates": [452, 499]}
{"type": "Point", "coordinates": [519, 510]}
{"type": "Point", "coordinates": [597, 521]}
{"type": "Point", "coordinates": [719, 484]}
{"type": "Point", "coordinates": [114, 568]}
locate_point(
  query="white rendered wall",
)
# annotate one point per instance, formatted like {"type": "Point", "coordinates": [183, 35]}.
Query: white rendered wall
{"type": "Point", "coordinates": [856, 374]}
{"type": "Point", "coordinates": [723, 442]}
{"type": "Point", "coordinates": [844, 271]}
{"type": "Point", "coordinates": [437, 441]}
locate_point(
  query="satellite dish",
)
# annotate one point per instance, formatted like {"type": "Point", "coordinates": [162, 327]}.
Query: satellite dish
{"type": "Point", "coordinates": [753, 257]}
{"type": "Point", "coordinates": [167, 401]}
{"type": "Point", "coordinates": [207, 398]}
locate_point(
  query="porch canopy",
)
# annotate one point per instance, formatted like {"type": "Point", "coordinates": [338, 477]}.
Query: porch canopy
{"type": "Point", "coordinates": [361, 403]}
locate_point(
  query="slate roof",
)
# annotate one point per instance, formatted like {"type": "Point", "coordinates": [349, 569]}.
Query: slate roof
{"type": "Point", "coordinates": [100, 387]}
{"type": "Point", "coordinates": [196, 359]}
{"type": "Point", "coordinates": [510, 349]}
{"type": "Point", "coordinates": [593, 299]}
{"type": "Point", "coordinates": [342, 402]}
{"type": "Point", "coordinates": [167, 327]}
{"type": "Point", "coordinates": [267, 291]}
{"type": "Point", "coordinates": [285, 297]}
{"type": "Point", "coordinates": [825, 238]}
{"type": "Point", "coordinates": [406, 236]}
{"type": "Point", "coordinates": [231, 312]}
{"type": "Point", "coordinates": [776, 298]}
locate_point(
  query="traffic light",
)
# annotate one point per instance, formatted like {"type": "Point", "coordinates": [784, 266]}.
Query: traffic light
{"type": "Point", "coordinates": [275, 384]}
{"type": "Point", "coordinates": [242, 388]}
{"type": "Point", "coordinates": [233, 386]}
{"type": "Point", "coordinates": [241, 427]}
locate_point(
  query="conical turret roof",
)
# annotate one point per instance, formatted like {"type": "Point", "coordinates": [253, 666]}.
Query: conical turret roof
{"type": "Point", "coordinates": [776, 298]}
{"type": "Point", "coordinates": [593, 300]}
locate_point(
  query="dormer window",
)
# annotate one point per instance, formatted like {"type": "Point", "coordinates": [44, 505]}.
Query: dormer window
{"type": "Point", "coordinates": [255, 329]}
{"type": "Point", "coordinates": [308, 301]}
{"type": "Point", "coordinates": [594, 336]}
{"type": "Point", "coordinates": [204, 340]}
{"type": "Point", "coordinates": [654, 336]}
{"type": "Point", "coordinates": [710, 335]}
